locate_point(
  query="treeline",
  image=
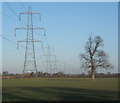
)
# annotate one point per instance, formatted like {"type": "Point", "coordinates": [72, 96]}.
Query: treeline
{"type": "Point", "coordinates": [7, 75]}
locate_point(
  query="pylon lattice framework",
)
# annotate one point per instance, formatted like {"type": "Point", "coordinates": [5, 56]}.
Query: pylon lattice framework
{"type": "Point", "coordinates": [30, 60]}
{"type": "Point", "coordinates": [50, 61]}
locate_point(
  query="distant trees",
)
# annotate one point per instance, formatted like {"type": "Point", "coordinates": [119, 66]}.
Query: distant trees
{"type": "Point", "coordinates": [32, 74]}
{"type": "Point", "coordinates": [94, 57]}
{"type": "Point", "coordinates": [5, 73]}
{"type": "Point", "coordinates": [40, 74]}
{"type": "Point", "coordinates": [59, 74]}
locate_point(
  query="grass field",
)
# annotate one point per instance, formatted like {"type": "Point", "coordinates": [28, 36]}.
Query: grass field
{"type": "Point", "coordinates": [60, 89]}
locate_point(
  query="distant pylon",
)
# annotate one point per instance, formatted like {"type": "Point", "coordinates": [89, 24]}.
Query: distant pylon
{"type": "Point", "coordinates": [50, 60]}
{"type": "Point", "coordinates": [30, 60]}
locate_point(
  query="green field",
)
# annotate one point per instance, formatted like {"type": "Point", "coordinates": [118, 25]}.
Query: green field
{"type": "Point", "coordinates": [60, 89]}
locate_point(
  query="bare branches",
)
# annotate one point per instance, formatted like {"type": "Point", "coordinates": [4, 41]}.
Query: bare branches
{"type": "Point", "coordinates": [98, 41]}
{"type": "Point", "coordinates": [94, 57]}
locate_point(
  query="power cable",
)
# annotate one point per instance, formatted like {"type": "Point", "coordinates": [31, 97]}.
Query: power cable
{"type": "Point", "coordinates": [10, 41]}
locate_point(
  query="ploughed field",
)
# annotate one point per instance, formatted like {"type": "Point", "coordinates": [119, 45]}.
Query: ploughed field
{"type": "Point", "coordinates": [60, 89]}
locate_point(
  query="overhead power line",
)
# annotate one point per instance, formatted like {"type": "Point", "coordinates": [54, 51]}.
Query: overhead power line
{"type": "Point", "coordinates": [9, 16]}
{"type": "Point", "coordinates": [11, 9]}
{"type": "Point", "coordinates": [13, 12]}
{"type": "Point", "coordinates": [11, 41]}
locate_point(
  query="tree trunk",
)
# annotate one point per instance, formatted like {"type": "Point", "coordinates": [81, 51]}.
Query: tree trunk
{"type": "Point", "coordinates": [93, 72]}
{"type": "Point", "coordinates": [93, 76]}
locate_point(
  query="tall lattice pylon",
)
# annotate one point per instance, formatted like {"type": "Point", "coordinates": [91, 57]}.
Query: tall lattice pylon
{"type": "Point", "coordinates": [30, 60]}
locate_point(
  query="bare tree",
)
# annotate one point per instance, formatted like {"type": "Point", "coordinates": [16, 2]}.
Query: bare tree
{"type": "Point", "coordinates": [94, 57]}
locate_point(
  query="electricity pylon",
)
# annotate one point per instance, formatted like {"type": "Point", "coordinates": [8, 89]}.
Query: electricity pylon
{"type": "Point", "coordinates": [50, 60]}
{"type": "Point", "coordinates": [30, 61]}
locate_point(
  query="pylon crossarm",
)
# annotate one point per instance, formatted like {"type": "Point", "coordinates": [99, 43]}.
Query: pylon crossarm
{"type": "Point", "coordinates": [19, 29]}
{"type": "Point", "coordinates": [30, 29]}
{"type": "Point", "coordinates": [47, 61]}
{"type": "Point", "coordinates": [18, 43]}
{"type": "Point", "coordinates": [28, 41]}
{"type": "Point", "coordinates": [29, 13]}
{"type": "Point", "coordinates": [49, 55]}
